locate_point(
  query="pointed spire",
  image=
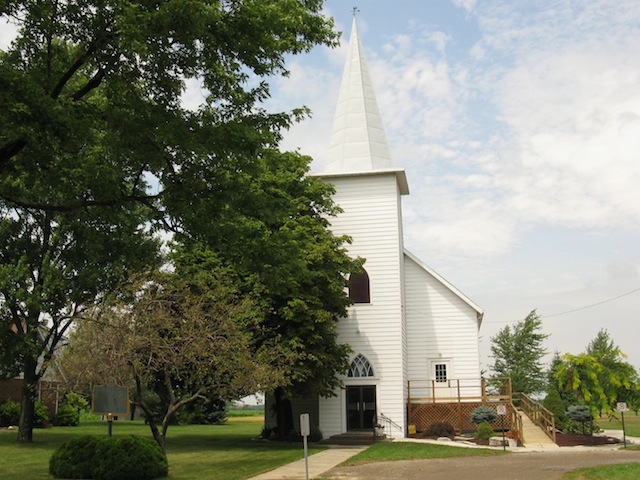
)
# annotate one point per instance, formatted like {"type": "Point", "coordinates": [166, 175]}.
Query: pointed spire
{"type": "Point", "coordinates": [358, 141]}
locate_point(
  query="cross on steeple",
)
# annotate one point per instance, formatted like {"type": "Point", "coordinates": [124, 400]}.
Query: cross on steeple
{"type": "Point", "coordinates": [354, 11]}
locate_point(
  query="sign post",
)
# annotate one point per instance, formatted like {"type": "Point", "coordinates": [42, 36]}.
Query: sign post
{"type": "Point", "coordinates": [305, 430]}
{"type": "Point", "coordinates": [502, 411]}
{"type": "Point", "coordinates": [622, 407]}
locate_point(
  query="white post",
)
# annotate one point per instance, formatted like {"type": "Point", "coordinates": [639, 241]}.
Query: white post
{"type": "Point", "coordinates": [305, 429]}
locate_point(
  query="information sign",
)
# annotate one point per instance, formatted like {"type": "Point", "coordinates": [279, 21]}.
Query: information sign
{"type": "Point", "coordinates": [110, 399]}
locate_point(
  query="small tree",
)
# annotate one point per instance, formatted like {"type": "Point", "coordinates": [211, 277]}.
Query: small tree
{"type": "Point", "coordinates": [518, 352]}
{"type": "Point", "coordinates": [580, 413]}
{"type": "Point", "coordinates": [182, 339]}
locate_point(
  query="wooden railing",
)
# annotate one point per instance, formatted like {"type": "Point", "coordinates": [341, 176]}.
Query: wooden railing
{"type": "Point", "coordinates": [460, 390]}
{"type": "Point", "coordinates": [539, 415]}
{"type": "Point", "coordinates": [453, 402]}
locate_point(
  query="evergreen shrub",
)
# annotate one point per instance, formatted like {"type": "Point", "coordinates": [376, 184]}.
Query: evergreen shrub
{"type": "Point", "coordinates": [483, 414]}
{"type": "Point", "coordinates": [129, 458]}
{"type": "Point", "coordinates": [104, 458]}
{"type": "Point", "coordinates": [484, 431]}
{"type": "Point", "coordinates": [75, 458]}
{"type": "Point", "coordinates": [553, 403]}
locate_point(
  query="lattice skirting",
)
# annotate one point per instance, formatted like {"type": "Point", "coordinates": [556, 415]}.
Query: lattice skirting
{"type": "Point", "coordinates": [423, 415]}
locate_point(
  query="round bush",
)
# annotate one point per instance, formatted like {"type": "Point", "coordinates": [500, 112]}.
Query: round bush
{"type": "Point", "coordinates": [75, 458]}
{"type": "Point", "coordinates": [483, 414]}
{"type": "Point", "coordinates": [484, 431]}
{"type": "Point", "coordinates": [129, 458]}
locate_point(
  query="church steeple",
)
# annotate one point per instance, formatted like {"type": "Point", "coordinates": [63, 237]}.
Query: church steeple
{"type": "Point", "coordinates": [358, 141]}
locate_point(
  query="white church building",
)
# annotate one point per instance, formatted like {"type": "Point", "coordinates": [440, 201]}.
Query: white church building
{"type": "Point", "coordinates": [407, 323]}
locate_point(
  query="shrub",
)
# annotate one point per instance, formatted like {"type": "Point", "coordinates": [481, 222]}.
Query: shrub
{"type": "Point", "coordinates": [41, 415]}
{"type": "Point", "coordinates": [129, 458]}
{"type": "Point", "coordinates": [75, 458]}
{"type": "Point", "coordinates": [67, 416]}
{"type": "Point", "coordinates": [553, 403]}
{"type": "Point", "coordinates": [9, 413]}
{"type": "Point", "coordinates": [103, 458]}
{"type": "Point", "coordinates": [484, 431]}
{"type": "Point", "coordinates": [483, 414]}
{"type": "Point", "coordinates": [440, 429]}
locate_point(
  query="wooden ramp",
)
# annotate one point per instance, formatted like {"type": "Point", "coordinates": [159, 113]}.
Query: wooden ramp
{"type": "Point", "coordinates": [534, 436]}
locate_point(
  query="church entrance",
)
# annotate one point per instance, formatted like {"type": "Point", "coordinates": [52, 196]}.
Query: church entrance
{"type": "Point", "coordinates": [361, 407]}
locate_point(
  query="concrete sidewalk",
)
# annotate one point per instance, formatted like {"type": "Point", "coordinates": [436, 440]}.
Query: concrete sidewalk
{"type": "Point", "coordinates": [318, 464]}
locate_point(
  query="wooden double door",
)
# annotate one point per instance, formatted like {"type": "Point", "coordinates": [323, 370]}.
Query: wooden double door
{"type": "Point", "coordinates": [361, 407]}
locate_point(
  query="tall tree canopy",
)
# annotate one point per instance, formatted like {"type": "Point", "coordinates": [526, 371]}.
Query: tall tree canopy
{"type": "Point", "coordinates": [97, 149]}
{"type": "Point", "coordinates": [601, 376]}
{"type": "Point", "coordinates": [518, 352]}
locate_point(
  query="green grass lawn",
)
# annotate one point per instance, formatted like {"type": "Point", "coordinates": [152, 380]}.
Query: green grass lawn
{"type": "Point", "coordinates": [631, 423]}
{"type": "Point", "coordinates": [382, 452]}
{"type": "Point", "coordinates": [626, 471]}
{"type": "Point", "coordinates": [223, 452]}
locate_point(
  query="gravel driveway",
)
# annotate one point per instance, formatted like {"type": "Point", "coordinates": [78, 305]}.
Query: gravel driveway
{"type": "Point", "coordinates": [515, 466]}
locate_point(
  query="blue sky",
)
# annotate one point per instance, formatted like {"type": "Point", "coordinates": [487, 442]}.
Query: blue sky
{"type": "Point", "coordinates": [518, 124]}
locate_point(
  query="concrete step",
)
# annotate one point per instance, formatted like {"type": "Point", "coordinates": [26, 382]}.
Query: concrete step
{"type": "Point", "coordinates": [351, 438]}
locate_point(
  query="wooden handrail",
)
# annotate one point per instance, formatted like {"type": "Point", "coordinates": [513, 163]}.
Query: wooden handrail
{"type": "Point", "coordinates": [539, 415]}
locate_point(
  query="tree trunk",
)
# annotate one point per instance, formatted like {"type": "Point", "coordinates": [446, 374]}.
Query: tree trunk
{"type": "Point", "coordinates": [27, 410]}
{"type": "Point", "coordinates": [284, 414]}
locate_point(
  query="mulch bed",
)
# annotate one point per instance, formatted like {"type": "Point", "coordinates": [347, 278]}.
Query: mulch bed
{"type": "Point", "coordinates": [574, 439]}
{"type": "Point", "coordinates": [562, 439]}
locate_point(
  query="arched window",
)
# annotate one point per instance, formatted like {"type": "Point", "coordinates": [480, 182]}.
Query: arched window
{"type": "Point", "coordinates": [359, 287]}
{"type": "Point", "coordinates": [360, 367]}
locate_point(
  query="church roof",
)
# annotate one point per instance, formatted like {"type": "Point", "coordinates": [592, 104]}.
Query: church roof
{"type": "Point", "coordinates": [447, 284]}
{"type": "Point", "coordinates": [358, 142]}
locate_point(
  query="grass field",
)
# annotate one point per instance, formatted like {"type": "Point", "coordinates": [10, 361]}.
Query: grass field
{"type": "Point", "coordinates": [631, 423]}
{"type": "Point", "coordinates": [223, 452]}
{"type": "Point", "coordinates": [628, 471]}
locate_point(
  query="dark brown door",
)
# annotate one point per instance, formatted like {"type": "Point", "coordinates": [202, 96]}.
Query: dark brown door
{"type": "Point", "coordinates": [361, 407]}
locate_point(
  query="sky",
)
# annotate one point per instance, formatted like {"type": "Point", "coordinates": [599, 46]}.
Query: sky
{"type": "Point", "coordinates": [518, 125]}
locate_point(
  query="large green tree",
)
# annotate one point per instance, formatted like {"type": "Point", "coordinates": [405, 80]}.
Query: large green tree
{"type": "Point", "coordinates": [295, 267]}
{"type": "Point", "coordinates": [97, 149]}
{"type": "Point", "coordinates": [518, 351]}
{"type": "Point", "coordinates": [601, 376]}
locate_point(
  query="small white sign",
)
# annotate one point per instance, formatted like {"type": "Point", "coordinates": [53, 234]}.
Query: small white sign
{"type": "Point", "coordinates": [305, 429]}
{"type": "Point", "coordinates": [622, 407]}
{"type": "Point", "coordinates": [502, 409]}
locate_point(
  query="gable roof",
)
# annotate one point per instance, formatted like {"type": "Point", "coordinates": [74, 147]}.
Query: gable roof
{"type": "Point", "coordinates": [443, 281]}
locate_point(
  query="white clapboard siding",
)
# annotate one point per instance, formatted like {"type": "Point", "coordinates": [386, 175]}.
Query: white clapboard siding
{"type": "Point", "coordinates": [441, 324]}
{"type": "Point", "coordinates": [372, 218]}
